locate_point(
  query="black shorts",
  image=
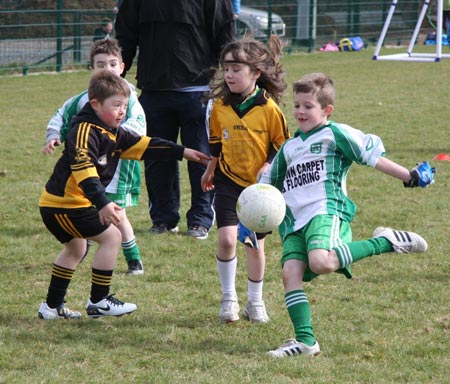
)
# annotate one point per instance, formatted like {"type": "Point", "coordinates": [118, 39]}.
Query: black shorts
{"type": "Point", "coordinates": [226, 196]}
{"type": "Point", "coordinates": [67, 224]}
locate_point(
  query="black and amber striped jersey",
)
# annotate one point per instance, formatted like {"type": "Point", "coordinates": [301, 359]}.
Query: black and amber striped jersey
{"type": "Point", "coordinates": [90, 157]}
{"type": "Point", "coordinates": [243, 139]}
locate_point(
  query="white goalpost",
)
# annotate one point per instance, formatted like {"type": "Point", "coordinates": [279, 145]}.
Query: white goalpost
{"type": "Point", "coordinates": [410, 55]}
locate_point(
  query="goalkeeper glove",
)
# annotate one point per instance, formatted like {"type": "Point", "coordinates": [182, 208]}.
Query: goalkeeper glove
{"type": "Point", "coordinates": [421, 176]}
{"type": "Point", "coordinates": [247, 237]}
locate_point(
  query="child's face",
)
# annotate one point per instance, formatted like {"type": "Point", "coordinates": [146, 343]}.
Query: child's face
{"type": "Point", "coordinates": [239, 77]}
{"type": "Point", "coordinates": [108, 28]}
{"type": "Point", "coordinates": [308, 112]}
{"type": "Point", "coordinates": [110, 63]}
{"type": "Point", "coordinates": [112, 110]}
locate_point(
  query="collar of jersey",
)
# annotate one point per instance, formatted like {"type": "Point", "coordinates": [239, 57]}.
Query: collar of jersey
{"type": "Point", "coordinates": [303, 135]}
{"type": "Point", "coordinates": [248, 100]}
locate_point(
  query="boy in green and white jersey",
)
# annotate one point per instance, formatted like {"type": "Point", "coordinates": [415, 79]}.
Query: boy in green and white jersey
{"type": "Point", "coordinates": [125, 186]}
{"type": "Point", "coordinates": [311, 171]}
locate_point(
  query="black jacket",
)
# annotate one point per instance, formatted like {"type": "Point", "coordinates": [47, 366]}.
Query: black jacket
{"type": "Point", "coordinates": [179, 41]}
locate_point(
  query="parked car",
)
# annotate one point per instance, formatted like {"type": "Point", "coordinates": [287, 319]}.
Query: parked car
{"type": "Point", "coordinates": [256, 22]}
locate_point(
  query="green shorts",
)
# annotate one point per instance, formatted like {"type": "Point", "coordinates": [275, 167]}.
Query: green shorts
{"type": "Point", "coordinates": [124, 200]}
{"type": "Point", "coordinates": [322, 232]}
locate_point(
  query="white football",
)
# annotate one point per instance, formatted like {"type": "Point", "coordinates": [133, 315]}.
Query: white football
{"type": "Point", "coordinates": [261, 207]}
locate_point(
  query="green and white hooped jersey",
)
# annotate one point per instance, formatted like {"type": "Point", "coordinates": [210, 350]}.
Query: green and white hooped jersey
{"type": "Point", "coordinates": [311, 171]}
{"type": "Point", "coordinates": [127, 178]}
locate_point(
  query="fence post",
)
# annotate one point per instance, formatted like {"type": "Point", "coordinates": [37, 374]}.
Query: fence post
{"type": "Point", "coordinates": [77, 37]}
{"type": "Point", "coordinates": [59, 33]}
{"type": "Point", "coordinates": [312, 25]}
{"type": "Point", "coordinates": [357, 17]}
{"type": "Point", "coordinates": [269, 16]}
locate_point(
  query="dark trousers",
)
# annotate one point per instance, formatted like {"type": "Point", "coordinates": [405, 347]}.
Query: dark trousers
{"type": "Point", "coordinates": [170, 114]}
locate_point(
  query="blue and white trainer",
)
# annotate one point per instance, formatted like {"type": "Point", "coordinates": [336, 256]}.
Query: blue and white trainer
{"type": "Point", "coordinates": [109, 306]}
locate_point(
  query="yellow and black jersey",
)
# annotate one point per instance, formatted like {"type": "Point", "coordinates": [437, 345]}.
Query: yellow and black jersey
{"type": "Point", "coordinates": [244, 139]}
{"type": "Point", "coordinates": [90, 157]}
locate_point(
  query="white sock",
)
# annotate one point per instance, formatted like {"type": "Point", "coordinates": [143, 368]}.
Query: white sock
{"type": "Point", "coordinates": [227, 275]}
{"type": "Point", "coordinates": [254, 290]}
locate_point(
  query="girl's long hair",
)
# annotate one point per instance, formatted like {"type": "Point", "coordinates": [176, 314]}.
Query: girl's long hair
{"type": "Point", "coordinates": [259, 56]}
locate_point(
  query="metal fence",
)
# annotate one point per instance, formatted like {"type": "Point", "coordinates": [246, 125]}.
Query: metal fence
{"type": "Point", "coordinates": [59, 39]}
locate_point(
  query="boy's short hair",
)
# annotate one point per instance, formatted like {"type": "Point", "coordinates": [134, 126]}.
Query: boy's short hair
{"type": "Point", "coordinates": [319, 85]}
{"type": "Point", "coordinates": [105, 84]}
{"type": "Point", "coordinates": [105, 46]}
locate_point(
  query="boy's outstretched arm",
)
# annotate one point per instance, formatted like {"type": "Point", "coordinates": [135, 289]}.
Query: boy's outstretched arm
{"type": "Point", "coordinates": [197, 156]}
{"type": "Point", "coordinates": [393, 169]}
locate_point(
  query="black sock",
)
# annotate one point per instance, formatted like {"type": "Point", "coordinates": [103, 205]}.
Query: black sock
{"type": "Point", "coordinates": [101, 282]}
{"type": "Point", "coordinates": [59, 282]}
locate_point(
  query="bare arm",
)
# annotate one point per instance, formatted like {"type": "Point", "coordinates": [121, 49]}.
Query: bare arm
{"type": "Point", "coordinates": [393, 169]}
{"type": "Point", "coordinates": [197, 156]}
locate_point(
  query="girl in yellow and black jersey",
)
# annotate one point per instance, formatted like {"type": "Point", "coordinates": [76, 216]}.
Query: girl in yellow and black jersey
{"type": "Point", "coordinates": [247, 128]}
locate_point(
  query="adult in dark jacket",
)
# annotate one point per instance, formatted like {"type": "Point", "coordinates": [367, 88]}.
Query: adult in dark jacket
{"type": "Point", "coordinates": [179, 44]}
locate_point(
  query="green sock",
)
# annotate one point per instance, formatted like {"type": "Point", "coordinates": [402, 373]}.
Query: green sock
{"type": "Point", "coordinates": [131, 250]}
{"type": "Point", "coordinates": [352, 252]}
{"type": "Point", "coordinates": [300, 313]}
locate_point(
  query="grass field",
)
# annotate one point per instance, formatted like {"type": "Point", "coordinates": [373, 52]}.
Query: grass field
{"type": "Point", "coordinates": [390, 324]}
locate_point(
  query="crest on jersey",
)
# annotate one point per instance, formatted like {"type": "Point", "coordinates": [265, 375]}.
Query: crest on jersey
{"type": "Point", "coordinates": [103, 160]}
{"type": "Point", "coordinates": [226, 134]}
{"type": "Point", "coordinates": [316, 148]}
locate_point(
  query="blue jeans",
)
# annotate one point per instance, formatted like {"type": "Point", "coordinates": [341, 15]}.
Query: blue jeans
{"type": "Point", "coordinates": [170, 114]}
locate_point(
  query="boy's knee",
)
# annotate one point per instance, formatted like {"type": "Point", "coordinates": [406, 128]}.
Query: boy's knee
{"type": "Point", "coordinates": [320, 268]}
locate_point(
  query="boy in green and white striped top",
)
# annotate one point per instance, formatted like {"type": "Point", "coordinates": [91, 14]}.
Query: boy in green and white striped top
{"type": "Point", "coordinates": [125, 186]}
{"type": "Point", "coordinates": [311, 171]}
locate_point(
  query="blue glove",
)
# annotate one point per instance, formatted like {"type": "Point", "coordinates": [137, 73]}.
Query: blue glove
{"type": "Point", "coordinates": [247, 237]}
{"type": "Point", "coordinates": [421, 176]}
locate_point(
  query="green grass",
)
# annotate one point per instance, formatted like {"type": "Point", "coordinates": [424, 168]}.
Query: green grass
{"type": "Point", "coordinates": [390, 324]}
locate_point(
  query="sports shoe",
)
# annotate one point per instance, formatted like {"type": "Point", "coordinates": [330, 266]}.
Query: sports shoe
{"type": "Point", "coordinates": [61, 312]}
{"type": "Point", "coordinates": [198, 231]}
{"type": "Point", "coordinates": [229, 309]}
{"type": "Point", "coordinates": [293, 347]}
{"type": "Point", "coordinates": [402, 241]}
{"type": "Point", "coordinates": [159, 229]}
{"type": "Point", "coordinates": [255, 312]}
{"type": "Point", "coordinates": [135, 267]}
{"type": "Point", "coordinates": [109, 306]}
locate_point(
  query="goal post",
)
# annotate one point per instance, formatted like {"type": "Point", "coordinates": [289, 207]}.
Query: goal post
{"type": "Point", "coordinates": [409, 55]}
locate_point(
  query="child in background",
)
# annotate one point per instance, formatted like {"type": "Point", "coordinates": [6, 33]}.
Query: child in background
{"type": "Point", "coordinates": [246, 130]}
{"type": "Point", "coordinates": [104, 32]}
{"type": "Point", "coordinates": [125, 186]}
{"type": "Point", "coordinates": [311, 169]}
{"type": "Point", "coordinates": [74, 205]}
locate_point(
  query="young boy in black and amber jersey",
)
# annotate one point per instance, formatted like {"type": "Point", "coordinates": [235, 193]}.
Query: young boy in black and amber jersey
{"type": "Point", "coordinates": [74, 205]}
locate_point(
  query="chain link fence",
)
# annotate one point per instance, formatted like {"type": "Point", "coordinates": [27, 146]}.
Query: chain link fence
{"type": "Point", "coordinates": [35, 40]}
